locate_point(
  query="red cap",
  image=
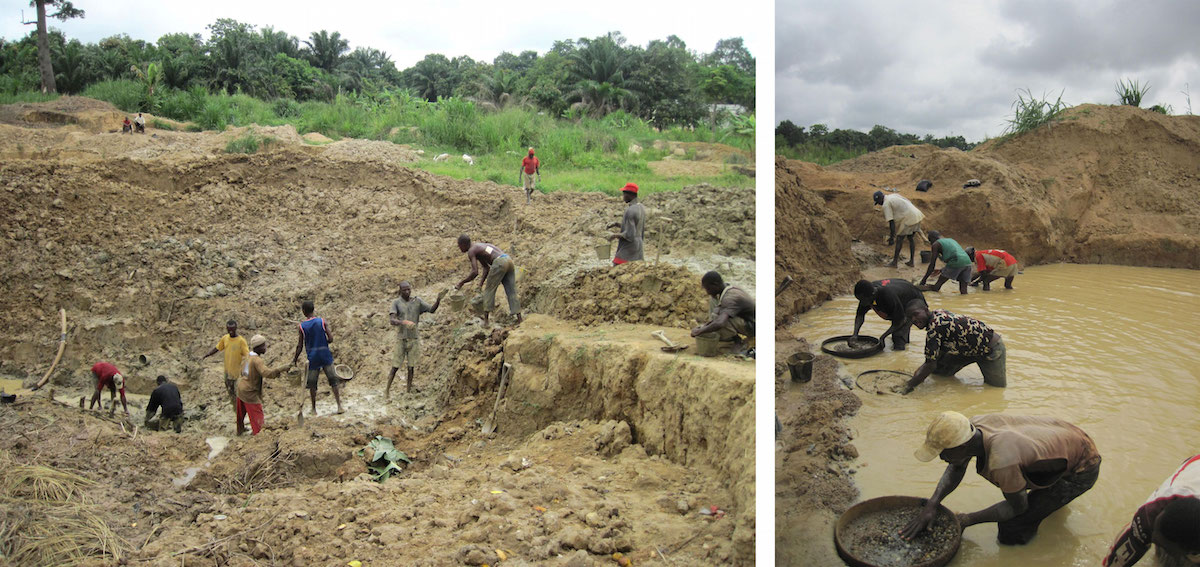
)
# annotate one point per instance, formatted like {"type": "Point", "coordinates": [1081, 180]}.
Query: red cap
{"type": "Point", "coordinates": [630, 188]}
{"type": "Point", "coordinates": [530, 151]}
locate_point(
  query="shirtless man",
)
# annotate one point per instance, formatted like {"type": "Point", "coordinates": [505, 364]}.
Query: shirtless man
{"type": "Point", "coordinates": [498, 270]}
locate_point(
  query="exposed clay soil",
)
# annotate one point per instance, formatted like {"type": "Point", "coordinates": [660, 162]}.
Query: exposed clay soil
{"type": "Point", "coordinates": [1114, 185]}
{"type": "Point", "coordinates": [151, 242]}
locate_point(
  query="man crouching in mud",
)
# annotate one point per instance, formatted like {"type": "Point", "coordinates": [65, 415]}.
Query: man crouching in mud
{"type": "Point", "coordinates": [1040, 464]}
{"type": "Point", "coordinates": [497, 269]}
{"type": "Point", "coordinates": [732, 312]}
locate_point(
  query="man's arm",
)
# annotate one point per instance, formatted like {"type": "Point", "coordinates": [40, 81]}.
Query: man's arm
{"type": "Point", "coordinates": [934, 250]}
{"type": "Point", "coordinates": [393, 317]}
{"type": "Point", "coordinates": [152, 406]}
{"type": "Point", "coordinates": [474, 270]}
{"type": "Point", "coordinates": [891, 231]}
{"type": "Point", "coordinates": [719, 321]}
{"type": "Point", "coordinates": [1133, 542]}
{"type": "Point", "coordinates": [859, 317]}
{"type": "Point", "coordinates": [299, 344]}
{"type": "Point", "coordinates": [210, 353]}
{"type": "Point", "coordinates": [438, 302]}
{"type": "Point", "coordinates": [952, 476]}
{"type": "Point", "coordinates": [919, 376]}
{"type": "Point", "coordinates": [895, 326]}
{"type": "Point", "coordinates": [328, 335]}
{"type": "Point", "coordinates": [1013, 505]}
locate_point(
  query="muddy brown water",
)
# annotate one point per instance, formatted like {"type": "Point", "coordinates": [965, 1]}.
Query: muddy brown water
{"type": "Point", "coordinates": [1104, 347]}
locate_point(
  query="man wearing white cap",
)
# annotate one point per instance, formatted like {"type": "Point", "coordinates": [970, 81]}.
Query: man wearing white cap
{"type": "Point", "coordinates": [107, 375]}
{"type": "Point", "coordinates": [250, 386]}
{"type": "Point", "coordinates": [1039, 463]}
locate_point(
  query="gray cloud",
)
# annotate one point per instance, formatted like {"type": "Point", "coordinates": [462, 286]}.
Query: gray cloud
{"type": "Point", "coordinates": [955, 68]}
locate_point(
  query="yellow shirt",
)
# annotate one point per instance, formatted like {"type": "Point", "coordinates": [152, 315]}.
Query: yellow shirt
{"type": "Point", "coordinates": [235, 349]}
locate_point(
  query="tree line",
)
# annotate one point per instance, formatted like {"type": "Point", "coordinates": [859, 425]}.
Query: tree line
{"type": "Point", "coordinates": [854, 142]}
{"type": "Point", "coordinates": [665, 82]}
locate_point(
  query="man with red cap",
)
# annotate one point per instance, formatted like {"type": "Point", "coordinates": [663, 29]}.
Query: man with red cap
{"type": "Point", "coordinates": [530, 167]}
{"type": "Point", "coordinates": [107, 375]}
{"type": "Point", "coordinates": [633, 228]}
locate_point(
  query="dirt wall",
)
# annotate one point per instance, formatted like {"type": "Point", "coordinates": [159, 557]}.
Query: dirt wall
{"type": "Point", "coordinates": [694, 411]}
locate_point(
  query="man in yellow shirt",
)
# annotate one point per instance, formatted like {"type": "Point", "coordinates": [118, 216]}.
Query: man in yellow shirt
{"type": "Point", "coordinates": [236, 350]}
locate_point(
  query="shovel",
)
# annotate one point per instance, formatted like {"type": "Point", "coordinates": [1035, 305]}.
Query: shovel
{"type": "Point", "coordinates": [783, 285]}
{"type": "Point", "coordinates": [671, 346]}
{"type": "Point", "coordinates": [489, 426]}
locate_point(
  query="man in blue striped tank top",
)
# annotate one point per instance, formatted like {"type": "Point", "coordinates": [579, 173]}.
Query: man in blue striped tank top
{"type": "Point", "coordinates": [315, 340]}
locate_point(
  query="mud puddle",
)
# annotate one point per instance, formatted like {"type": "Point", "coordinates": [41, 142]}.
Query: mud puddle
{"type": "Point", "coordinates": [1097, 346]}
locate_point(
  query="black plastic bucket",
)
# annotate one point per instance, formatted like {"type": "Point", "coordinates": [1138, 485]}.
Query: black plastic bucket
{"type": "Point", "coordinates": [800, 366]}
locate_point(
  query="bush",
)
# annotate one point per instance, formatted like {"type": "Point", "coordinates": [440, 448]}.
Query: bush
{"type": "Point", "coordinates": [248, 143]}
{"type": "Point", "coordinates": [285, 108]}
{"type": "Point", "coordinates": [1131, 92]}
{"type": "Point", "coordinates": [1029, 113]}
{"type": "Point", "coordinates": [126, 95]}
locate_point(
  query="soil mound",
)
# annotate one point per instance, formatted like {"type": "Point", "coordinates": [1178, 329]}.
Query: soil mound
{"type": "Point", "coordinates": [812, 244]}
{"type": "Point", "coordinates": [1105, 184]}
{"type": "Point", "coordinates": [637, 292]}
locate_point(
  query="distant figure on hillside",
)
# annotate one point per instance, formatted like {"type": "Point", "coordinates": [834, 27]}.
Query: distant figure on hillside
{"type": "Point", "coordinates": [235, 348]}
{"type": "Point", "coordinates": [952, 342]}
{"type": "Point", "coordinates": [498, 270]}
{"type": "Point", "coordinates": [731, 312]}
{"type": "Point", "coordinates": [1170, 519]}
{"type": "Point", "coordinates": [904, 221]}
{"type": "Point", "coordinates": [405, 314]}
{"type": "Point", "coordinates": [633, 228]}
{"type": "Point", "coordinates": [958, 264]}
{"type": "Point", "coordinates": [250, 386]}
{"type": "Point", "coordinates": [530, 166]}
{"type": "Point", "coordinates": [887, 298]}
{"type": "Point", "coordinates": [991, 265]}
{"type": "Point", "coordinates": [315, 340]}
{"type": "Point", "coordinates": [107, 375]}
{"type": "Point", "coordinates": [1040, 464]}
{"type": "Point", "coordinates": [126, 127]}
{"type": "Point", "coordinates": [139, 124]}
{"type": "Point", "coordinates": [166, 396]}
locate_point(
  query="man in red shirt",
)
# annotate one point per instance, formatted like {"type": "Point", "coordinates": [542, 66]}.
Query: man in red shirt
{"type": "Point", "coordinates": [108, 375]}
{"type": "Point", "coordinates": [991, 265]}
{"type": "Point", "coordinates": [530, 167]}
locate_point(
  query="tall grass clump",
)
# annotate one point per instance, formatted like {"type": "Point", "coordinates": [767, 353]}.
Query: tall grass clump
{"type": "Point", "coordinates": [1030, 112]}
{"type": "Point", "coordinates": [248, 143]}
{"type": "Point", "coordinates": [1131, 93]}
{"type": "Point", "coordinates": [126, 95]}
{"type": "Point", "coordinates": [26, 96]}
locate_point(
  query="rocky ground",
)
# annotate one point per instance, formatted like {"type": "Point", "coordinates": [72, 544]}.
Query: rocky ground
{"type": "Point", "coordinates": [604, 445]}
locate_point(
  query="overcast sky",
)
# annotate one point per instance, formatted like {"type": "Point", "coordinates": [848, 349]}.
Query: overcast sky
{"type": "Point", "coordinates": [409, 30]}
{"type": "Point", "coordinates": [948, 67]}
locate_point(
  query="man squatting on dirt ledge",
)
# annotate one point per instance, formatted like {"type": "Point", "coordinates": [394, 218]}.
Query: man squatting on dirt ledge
{"type": "Point", "coordinates": [405, 314]}
{"type": "Point", "coordinates": [633, 228]}
{"type": "Point", "coordinates": [1039, 463]}
{"type": "Point", "coordinates": [497, 269]}
{"type": "Point", "coordinates": [731, 310]}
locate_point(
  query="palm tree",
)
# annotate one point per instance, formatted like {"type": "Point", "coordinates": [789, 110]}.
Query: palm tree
{"type": "Point", "coordinates": [150, 77]}
{"type": "Point", "coordinates": [71, 73]}
{"type": "Point", "coordinates": [599, 73]}
{"type": "Point", "coordinates": [326, 49]}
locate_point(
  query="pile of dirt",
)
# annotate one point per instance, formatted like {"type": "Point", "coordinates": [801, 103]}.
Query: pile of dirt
{"type": "Point", "coordinates": [812, 245]}
{"type": "Point", "coordinates": [637, 292]}
{"type": "Point", "coordinates": [352, 150]}
{"type": "Point", "coordinates": [701, 159]}
{"type": "Point", "coordinates": [1104, 184]}
{"type": "Point", "coordinates": [813, 485]}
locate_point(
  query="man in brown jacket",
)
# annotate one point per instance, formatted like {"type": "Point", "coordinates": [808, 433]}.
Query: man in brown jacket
{"type": "Point", "coordinates": [250, 386]}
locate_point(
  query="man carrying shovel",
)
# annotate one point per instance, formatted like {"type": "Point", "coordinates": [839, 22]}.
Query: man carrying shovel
{"type": "Point", "coordinates": [404, 315]}
{"type": "Point", "coordinates": [633, 228]}
{"type": "Point", "coordinates": [315, 340]}
{"type": "Point", "coordinates": [530, 167]}
{"type": "Point", "coordinates": [497, 269]}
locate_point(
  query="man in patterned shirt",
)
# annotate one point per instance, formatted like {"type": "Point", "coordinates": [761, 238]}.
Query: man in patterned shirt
{"type": "Point", "coordinates": [1170, 520]}
{"type": "Point", "coordinates": [954, 341]}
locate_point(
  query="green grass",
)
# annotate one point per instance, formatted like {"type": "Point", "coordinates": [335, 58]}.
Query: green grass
{"type": "Point", "coordinates": [160, 125]}
{"type": "Point", "coordinates": [1030, 112]}
{"type": "Point", "coordinates": [27, 96]}
{"type": "Point", "coordinates": [586, 154]}
{"type": "Point", "coordinates": [819, 154]}
{"type": "Point", "coordinates": [248, 143]}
